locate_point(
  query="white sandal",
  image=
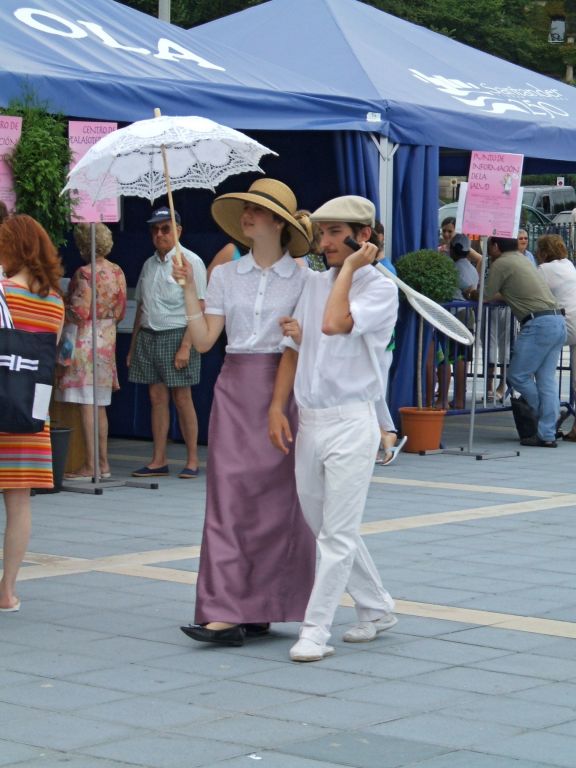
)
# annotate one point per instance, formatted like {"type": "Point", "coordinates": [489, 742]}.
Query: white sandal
{"type": "Point", "coordinates": [394, 451]}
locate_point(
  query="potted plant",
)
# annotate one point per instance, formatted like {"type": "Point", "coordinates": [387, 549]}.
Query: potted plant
{"type": "Point", "coordinates": [433, 274]}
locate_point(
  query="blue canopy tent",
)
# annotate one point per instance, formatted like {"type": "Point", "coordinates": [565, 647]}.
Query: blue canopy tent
{"type": "Point", "coordinates": [419, 91]}
{"type": "Point", "coordinates": [384, 88]}
{"type": "Point", "coordinates": [110, 62]}
{"type": "Point", "coordinates": [425, 92]}
{"type": "Point", "coordinates": [388, 93]}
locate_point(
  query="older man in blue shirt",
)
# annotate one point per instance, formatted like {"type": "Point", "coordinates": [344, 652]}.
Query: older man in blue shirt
{"type": "Point", "coordinates": [161, 353]}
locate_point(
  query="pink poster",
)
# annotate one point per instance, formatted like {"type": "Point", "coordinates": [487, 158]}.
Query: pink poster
{"type": "Point", "coordinates": [82, 135]}
{"type": "Point", "coordinates": [493, 198]}
{"type": "Point", "coordinates": [10, 130]}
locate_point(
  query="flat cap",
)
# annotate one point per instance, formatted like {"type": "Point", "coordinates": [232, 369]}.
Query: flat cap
{"type": "Point", "coordinates": [349, 208]}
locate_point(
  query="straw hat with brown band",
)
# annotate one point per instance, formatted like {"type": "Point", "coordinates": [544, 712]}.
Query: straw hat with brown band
{"type": "Point", "coordinates": [271, 194]}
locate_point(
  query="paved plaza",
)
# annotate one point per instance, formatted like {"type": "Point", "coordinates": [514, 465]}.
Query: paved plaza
{"type": "Point", "coordinates": [479, 672]}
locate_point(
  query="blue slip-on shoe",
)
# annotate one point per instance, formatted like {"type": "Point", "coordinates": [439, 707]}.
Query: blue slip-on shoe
{"type": "Point", "coordinates": [188, 474]}
{"type": "Point", "coordinates": [152, 471]}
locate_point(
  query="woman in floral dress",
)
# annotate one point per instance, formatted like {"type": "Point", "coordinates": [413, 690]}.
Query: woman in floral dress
{"type": "Point", "coordinates": [76, 383]}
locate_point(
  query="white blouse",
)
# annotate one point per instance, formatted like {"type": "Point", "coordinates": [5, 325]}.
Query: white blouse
{"type": "Point", "coordinates": [253, 299]}
{"type": "Point", "coordinates": [344, 368]}
{"type": "Point", "coordinates": [560, 276]}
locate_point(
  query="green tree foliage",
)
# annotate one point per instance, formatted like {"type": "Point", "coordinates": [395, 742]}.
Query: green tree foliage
{"type": "Point", "coordinates": [187, 13]}
{"type": "Point", "coordinates": [515, 30]}
{"type": "Point", "coordinates": [40, 163]}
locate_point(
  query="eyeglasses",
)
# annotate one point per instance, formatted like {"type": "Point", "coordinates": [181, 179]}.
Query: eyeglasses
{"type": "Point", "coordinates": [162, 229]}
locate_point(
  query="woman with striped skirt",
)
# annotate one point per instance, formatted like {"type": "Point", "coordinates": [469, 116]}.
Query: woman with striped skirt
{"type": "Point", "coordinates": [32, 271]}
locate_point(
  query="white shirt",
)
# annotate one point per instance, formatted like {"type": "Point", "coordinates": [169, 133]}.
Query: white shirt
{"type": "Point", "coordinates": [163, 306]}
{"type": "Point", "coordinates": [560, 276]}
{"type": "Point", "coordinates": [253, 300]}
{"type": "Point", "coordinates": [344, 369]}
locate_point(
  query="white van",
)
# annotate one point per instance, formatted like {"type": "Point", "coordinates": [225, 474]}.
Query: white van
{"type": "Point", "coordinates": [550, 200]}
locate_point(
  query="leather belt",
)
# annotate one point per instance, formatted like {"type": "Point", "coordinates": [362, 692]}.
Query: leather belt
{"type": "Point", "coordinates": [544, 312]}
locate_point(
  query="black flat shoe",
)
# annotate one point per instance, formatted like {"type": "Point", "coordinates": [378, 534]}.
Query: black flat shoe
{"type": "Point", "coordinates": [256, 630]}
{"type": "Point", "coordinates": [537, 442]}
{"type": "Point", "coordinates": [233, 636]}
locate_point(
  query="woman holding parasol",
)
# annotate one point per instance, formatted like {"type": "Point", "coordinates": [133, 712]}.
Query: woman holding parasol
{"type": "Point", "coordinates": [258, 555]}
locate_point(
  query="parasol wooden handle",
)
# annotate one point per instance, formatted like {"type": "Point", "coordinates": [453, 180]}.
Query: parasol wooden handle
{"type": "Point", "coordinates": [178, 255]}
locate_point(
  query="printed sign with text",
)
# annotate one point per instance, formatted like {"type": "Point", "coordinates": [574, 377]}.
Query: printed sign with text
{"type": "Point", "coordinates": [494, 195]}
{"type": "Point", "coordinates": [82, 135]}
{"type": "Point", "coordinates": [10, 130]}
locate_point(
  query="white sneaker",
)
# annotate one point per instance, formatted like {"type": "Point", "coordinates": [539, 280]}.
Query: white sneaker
{"type": "Point", "coordinates": [366, 631]}
{"type": "Point", "coordinates": [308, 650]}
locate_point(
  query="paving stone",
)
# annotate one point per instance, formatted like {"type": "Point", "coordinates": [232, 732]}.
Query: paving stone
{"type": "Point", "coordinates": [153, 714]}
{"type": "Point", "coordinates": [380, 664]}
{"type": "Point", "coordinates": [215, 662]}
{"type": "Point", "coordinates": [363, 750]}
{"type": "Point", "coordinates": [53, 695]}
{"type": "Point", "coordinates": [462, 758]}
{"type": "Point", "coordinates": [445, 731]}
{"type": "Point", "coordinates": [493, 637]}
{"type": "Point", "coordinates": [53, 664]}
{"type": "Point", "coordinates": [12, 753]}
{"type": "Point", "coordinates": [132, 649]}
{"type": "Point", "coordinates": [308, 678]}
{"type": "Point", "coordinates": [560, 694]}
{"type": "Point", "coordinates": [447, 651]}
{"type": "Point", "coordinates": [511, 710]}
{"type": "Point", "coordinates": [49, 759]}
{"type": "Point", "coordinates": [256, 731]}
{"type": "Point", "coordinates": [331, 712]}
{"type": "Point", "coordinates": [482, 681]}
{"type": "Point", "coordinates": [137, 679]}
{"type": "Point", "coordinates": [168, 751]}
{"type": "Point", "coordinates": [234, 696]}
{"type": "Point", "coordinates": [532, 665]}
{"type": "Point", "coordinates": [274, 760]}
{"type": "Point", "coordinates": [405, 697]}
{"type": "Point", "coordinates": [62, 732]}
{"type": "Point", "coordinates": [549, 748]}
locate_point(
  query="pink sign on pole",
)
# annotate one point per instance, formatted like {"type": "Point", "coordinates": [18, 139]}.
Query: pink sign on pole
{"type": "Point", "coordinates": [493, 197]}
{"type": "Point", "coordinates": [10, 130]}
{"type": "Point", "coordinates": [82, 134]}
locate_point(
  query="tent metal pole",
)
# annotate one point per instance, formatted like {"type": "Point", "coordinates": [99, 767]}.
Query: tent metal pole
{"type": "Point", "coordinates": [386, 150]}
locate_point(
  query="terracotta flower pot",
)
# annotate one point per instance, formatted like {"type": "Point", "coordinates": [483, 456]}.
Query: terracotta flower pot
{"type": "Point", "coordinates": [423, 428]}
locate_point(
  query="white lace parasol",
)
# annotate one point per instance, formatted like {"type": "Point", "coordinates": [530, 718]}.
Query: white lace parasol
{"type": "Point", "coordinates": [199, 152]}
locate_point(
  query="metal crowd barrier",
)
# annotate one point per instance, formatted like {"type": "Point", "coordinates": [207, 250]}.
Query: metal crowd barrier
{"type": "Point", "coordinates": [566, 231]}
{"type": "Point", "coordinates": [449, 365]}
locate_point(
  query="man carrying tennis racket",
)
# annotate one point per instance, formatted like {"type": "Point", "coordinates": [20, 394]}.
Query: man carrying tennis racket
{"type": "Point", "coordinates": [345, 316]}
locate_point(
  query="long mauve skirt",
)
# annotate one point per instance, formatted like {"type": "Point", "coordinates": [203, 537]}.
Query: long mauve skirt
{"type": "Point", "coordinates": [258, 555]}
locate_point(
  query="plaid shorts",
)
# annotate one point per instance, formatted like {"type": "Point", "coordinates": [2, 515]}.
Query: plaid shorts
{"type": "Point", "coordinates": [153, 360]}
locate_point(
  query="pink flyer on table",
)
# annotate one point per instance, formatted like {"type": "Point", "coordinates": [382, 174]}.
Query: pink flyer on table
{"type": "Point", "coordinates": [10, 130]}
{"type": "Point", "coordinates": [82, 134]}
{"type": "Point", "coordinates": [494, 195]}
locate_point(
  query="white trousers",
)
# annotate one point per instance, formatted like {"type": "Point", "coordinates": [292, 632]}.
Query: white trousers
{"type": "Point", "coordinates": [382, 411]}
{"type": "Point", "coordinates": [335, 452]}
